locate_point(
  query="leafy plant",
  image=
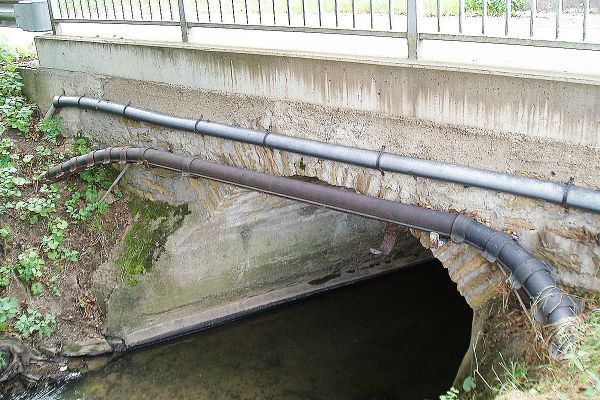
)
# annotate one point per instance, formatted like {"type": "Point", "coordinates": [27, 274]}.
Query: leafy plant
{"type": "Point", "coordinates": [51, 128]}
{"type": "Point", "coordinates": [496, 8]}
{"type": "Point", "coordinates": [16, 113]}
{"type": "Point", "coordinates": [52, 243]}
{"type": "Point", "coordinates": [32, 321]}
{"type": "Point", "coordinates": [2, 362]}
{"type": "Point", "coordinates": [81, 146]}
{"type": "Point", "coordinates": [29, 266]}
{"type": "Point", "coordinates": [37, 288]}
{"type": "Point", "coordinates": [35, 207]}
{"type": "Point", "coordinates": [451, 394]}
{"type": "Point", "coordinates": [5, 272]}
{"type": "Point", "coordinates": [5, 232]}
{"type": "Point", "coordinates": [9, 307]}
{"type": "Point", "coordinates": [469, 384]}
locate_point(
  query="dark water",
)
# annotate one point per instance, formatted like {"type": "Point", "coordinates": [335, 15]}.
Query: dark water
{"type": "Point", "coordinates": [401, 336]}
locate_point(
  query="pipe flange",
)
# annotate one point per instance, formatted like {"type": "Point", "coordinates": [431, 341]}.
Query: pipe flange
{"type": "Point", "coordinates": [529, 267]}
{"type": "Point", "coordinates": [106, 159]}
{"type": "Point", "coordinates": [186, 164]}
{"type": "Point", "coordinates": [123, 154]}
{"type": "Point", "coordinates": [494, 246]}
{"type": "Point", "coordinates": [459, 228]}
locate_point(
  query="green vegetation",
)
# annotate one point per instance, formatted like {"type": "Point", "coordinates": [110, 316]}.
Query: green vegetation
{"type": "Point", "coordinates": [496, 8]}
{"type": "Point", "coordinates": [36, 233]}
{"type": "Point", "coordinates": [153, 222]}
{"type": "Point", "coordinates": [576, 375]}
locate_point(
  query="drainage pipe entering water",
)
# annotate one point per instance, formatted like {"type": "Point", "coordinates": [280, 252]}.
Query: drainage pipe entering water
{"type": "Point", "coordinates": [567, 194]}
{"type": "Point", "coordinates": [533, 275]}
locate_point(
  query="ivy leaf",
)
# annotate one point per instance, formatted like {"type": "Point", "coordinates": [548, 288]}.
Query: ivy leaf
{"type": "Point", "coordinates": [468, 384]}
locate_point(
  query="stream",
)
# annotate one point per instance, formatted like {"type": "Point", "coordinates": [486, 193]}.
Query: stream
{"type": "Point", "coordinates": [398, 336]}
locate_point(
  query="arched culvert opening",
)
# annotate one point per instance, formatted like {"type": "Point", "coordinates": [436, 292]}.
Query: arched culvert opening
{"type": "Point", "coordinates": [399, 336]}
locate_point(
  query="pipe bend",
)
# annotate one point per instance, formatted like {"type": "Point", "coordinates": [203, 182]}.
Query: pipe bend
{"type": "Point", "coordinates": [533, 275]}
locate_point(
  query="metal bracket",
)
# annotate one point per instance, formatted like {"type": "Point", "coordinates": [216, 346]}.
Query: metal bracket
{"type": "Point", "coordinates": [568, 187]}
{"type": "Point", "coordinates": [379, 160]}
{"type": "Point", "coordinates": [389, 240]}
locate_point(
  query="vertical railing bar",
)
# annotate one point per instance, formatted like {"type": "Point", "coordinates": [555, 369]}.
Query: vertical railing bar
{"type": "Point", "coordinates": [337, 12]}
{"type": "Point", "coordinates": [439, 15]}
{"type": "Point", "coordinates": [558, 12]}
{"type": "Point", "coordinates": [353, 14]}
{"type": "Point", "coordinates": [288, 12]}
{"type": "Point", "coordinates": [171, 10]}
{"type": "Point", "coordinates": [182, 21]}
{"type": "Point", "coordinates": [130, 8]}
{"type": "Point", "coordinates": [67, 9]}
{"type": "Point", "coordinates": [81, 9]}
{"type": "Point", "coordinates": [149, 9]}
{"type": "Point", "coordinates": [160, 12]}
{"type": "Point", "coordinates": [304, 12]}
{"type": "Point", "coordinates": [484, 15]}
{"type": "Point", "coordinates": [233, 10]}
{"type": "Point", "coordinates": [198, 12]}
{"type": "Point", "coordinates": [221, 10]}
{"type": "Point", "coordinates": [246, 10]}
{"type": "Point", "coordinates": [122, 10]}
{"type": "Point", "coordinates": [371, 12]}
{"type": "Point", "coordinates": [259, 13]}
{"type": "Point", "coordinates": [507, 13]}
{"type": "Point", "coordinates": [413, 12]}
{"type": "Point", "coordinates": [89, 5]}
{"type": "Point", "coordinates": [461, 15]}
{"type": "Point", "coordinates": [319, 6]}
{"type": "Point", "coordinates": [112, 3]}
{"type": "Point", "coordinates": [532, 14]}
{"type": "Point", "coordinates": [586, 13]}
{"type": "Point", "coordinates": [390, 11]}
{"type": "Point", "coordinates": [60, 13]}
{"type": "Point", "coordinates": [141, 9]}
{"type": "Point", "coordinates": [51, 13]}
{"type": "Point", "coordinates": [274, 20]}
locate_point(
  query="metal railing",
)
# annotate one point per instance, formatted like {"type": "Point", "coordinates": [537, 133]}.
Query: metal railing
{"type": "Point", "coordinates": [389, 18]}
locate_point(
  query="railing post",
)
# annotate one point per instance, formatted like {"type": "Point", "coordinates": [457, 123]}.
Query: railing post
{"type": "Point", "coordinates": [52, 22]}
{"type": "Point", "coordinates": [183, 22]}
{"type": "Point", "coordinates": [413, 13]}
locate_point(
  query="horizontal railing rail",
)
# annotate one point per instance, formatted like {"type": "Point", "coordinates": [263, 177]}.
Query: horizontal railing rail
{"type": "Point", "coordinates": [507, 22]}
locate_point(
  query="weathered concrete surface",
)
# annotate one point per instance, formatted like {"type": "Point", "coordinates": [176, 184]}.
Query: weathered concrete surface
{"type": "Point", "coordinates": [567, 238]}
{"type": "Point", "coordinates": [550, 106]}
{"type": "Point", "coordinates": [239, 252]}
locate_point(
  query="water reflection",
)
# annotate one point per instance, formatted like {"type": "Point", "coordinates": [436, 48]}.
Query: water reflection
{"type": "Point", "coordinates": [401, 336]}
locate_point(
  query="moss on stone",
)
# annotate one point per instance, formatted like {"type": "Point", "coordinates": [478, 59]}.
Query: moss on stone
{"type": "Point", "coordinates": [152, 223]}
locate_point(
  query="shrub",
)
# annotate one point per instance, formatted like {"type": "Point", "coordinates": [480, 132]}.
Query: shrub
{"type": "Point", "coordinates": [496, 8]}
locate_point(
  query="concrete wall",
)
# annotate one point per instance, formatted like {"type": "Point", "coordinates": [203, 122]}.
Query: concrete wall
{"type": "Point", "coordinates": [516, 102]}
{"type": "Point", "coordinates": [541, 126]}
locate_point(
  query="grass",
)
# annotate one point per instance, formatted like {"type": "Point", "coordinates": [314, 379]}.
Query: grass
{"type": "Point", "coordinates": [574, 375]}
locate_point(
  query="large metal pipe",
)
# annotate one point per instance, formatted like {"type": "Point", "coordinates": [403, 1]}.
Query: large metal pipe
{"type": "Point", "coordinates": [567, 194]}
{"type": "Point", "coordinates": [533, 275]}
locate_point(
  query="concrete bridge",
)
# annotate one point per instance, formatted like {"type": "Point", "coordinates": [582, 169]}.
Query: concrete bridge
{"type": "Point", "coordinates": [222, 251]}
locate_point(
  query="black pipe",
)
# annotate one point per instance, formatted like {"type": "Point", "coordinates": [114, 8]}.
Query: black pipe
{"type": "Point", "coordinates": [567, 194]}
{"type": "Point", "coordinates": [533, 275]}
